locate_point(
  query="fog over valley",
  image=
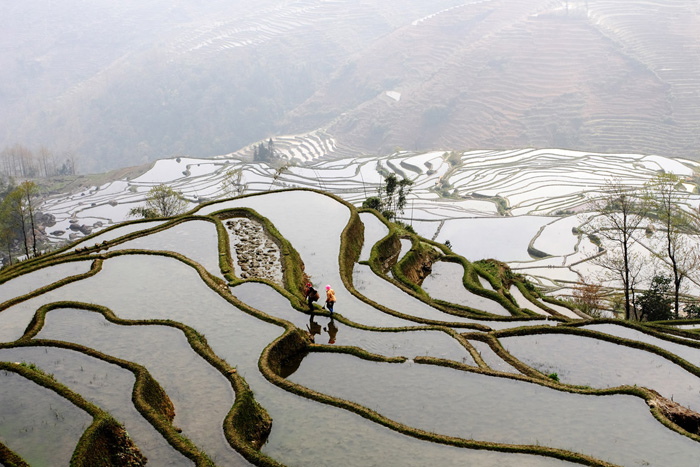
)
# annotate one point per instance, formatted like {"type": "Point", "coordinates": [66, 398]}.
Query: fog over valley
{"type": "Point", "coordinates": [121, 84]}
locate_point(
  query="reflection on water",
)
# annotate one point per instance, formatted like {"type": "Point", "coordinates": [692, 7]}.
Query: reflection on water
{"type": "Point", "coordinates": [37, 423]}
{"type": "Point", "coordinates": [332, 331]}
{"type": "Point", "coordinates": [34, 280]}
{"type": "Point", "coordinates": [445, 283]}
{"type": "Point", "coordinates": [391, 344]}
{"type": "Point", "coordinates": [201, 395]}
{"type": "Point", "coordinates": [606, 365]}
{"type": "Point", "coordinates": [617, 428]}
{"type": "Point", "coordinates": [105, 385]}
{"type": "Point", "coordinates": [314, 328]}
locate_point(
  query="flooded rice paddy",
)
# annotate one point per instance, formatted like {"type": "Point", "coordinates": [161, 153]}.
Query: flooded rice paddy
{"type": "Point", "coordinates": [472, 409]}
{"type": "Point", "coordinates": [196, 240]}
{"type": "Point", "coordinates": [439, 400]}
{"type": "Point", "coordinates": [445, 283]}
{"type": "Point", "coordinates": [375, 230]}
{"type": "Point", "coordinates": [605, 365]}
{"type": "Point", "coordinates": [491, 358]}
{"type": "Point", "coordinates": [201, 395]}
{"type": "Point", "coordinates": [391, 344]}
{"type": "Point", "coordinates": [107, 385]}
{"type": "Point", "coordinates": [38, 424]}
{"type": "Point", "coordinates": [32, 281]}
{"type": "Point", "coordinates": [691, 354]}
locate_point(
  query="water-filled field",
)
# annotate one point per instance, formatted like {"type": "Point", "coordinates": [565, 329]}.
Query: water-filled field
{"type": "Point", "coordinates": [518, 206]}
{"type": "Point", "coordinates": [158, 328]}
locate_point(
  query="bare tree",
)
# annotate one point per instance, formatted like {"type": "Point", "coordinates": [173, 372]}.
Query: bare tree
{"type": "Point", "coordinates": [589, 297]}
{"type": "Point", "coordinates": [278, 173]}
{"type": "Point", "coordinates": [46, 162]}
{"type": "Point", "coordinates": [232, 184]}
{"type": "Point", "coordinates": [8, 233]}
{"type": "Point", "coordinates": [676, 250]}
{"type": "Point", "coordinates": [29, 190]}
{"type": "Point", "coordinates": [621, 213]}
{"type": "Point", "coordinates": [630, 271]}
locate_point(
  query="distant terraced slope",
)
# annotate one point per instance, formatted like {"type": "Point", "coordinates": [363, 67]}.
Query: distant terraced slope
{"type": "Point", "coordinates": [616, 77]}
{"type": "Point", "coordinates": [124, 85]}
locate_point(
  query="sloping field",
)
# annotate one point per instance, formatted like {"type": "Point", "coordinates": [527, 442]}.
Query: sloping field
{"type": "Point", "coordinates": [519, 206]}
{"type": "Point", "coordinates": [125, 85]}
{"type": "Point", "coordinates": [227, 370]}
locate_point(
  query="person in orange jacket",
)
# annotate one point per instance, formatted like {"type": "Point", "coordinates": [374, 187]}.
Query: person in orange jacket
{"type": "Point", "coordinates": [330, 299]}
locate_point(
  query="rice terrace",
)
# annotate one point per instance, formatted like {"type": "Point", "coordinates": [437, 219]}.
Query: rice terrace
{"type": "Point", "coordinates": [459, 337]}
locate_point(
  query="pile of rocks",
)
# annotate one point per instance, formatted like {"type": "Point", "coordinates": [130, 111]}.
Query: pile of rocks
{"type": "Point", "coordinates": [257, 256]}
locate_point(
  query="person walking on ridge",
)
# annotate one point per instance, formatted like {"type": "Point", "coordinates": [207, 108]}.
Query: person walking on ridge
{"type": "Point", "coordinates": [330, 299]}
{"type": "Point", "coordinates": [311, 296]}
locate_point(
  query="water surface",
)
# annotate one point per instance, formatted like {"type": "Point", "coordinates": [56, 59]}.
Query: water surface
{"type": "Point", "coordinates": [445, 283]}
{"type": "Point", "coordinates": [375, 230]}
{"type": "Point", "coordinates": [197, 240]}
{"type": "Point", "coordinates": [34, 280]}
{"type": "Point", "coordinates": [605, 365]}
{"type": "Point", "coordinates": [391, 344]}
{"type": "Point", "coordinates": [105, 385]}
{"type": "Point", "coordinates": [691, 354]}
{"type": "Point", "coordinates": [38, 424]}
{"type": "Point", "coordinates": [201, 395]}
{"type": "Point", "coordinates": [617, 428]}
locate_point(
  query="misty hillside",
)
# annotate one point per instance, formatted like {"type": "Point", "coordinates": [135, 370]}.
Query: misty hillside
{"type": "Point", "coordinates": [125, 83]}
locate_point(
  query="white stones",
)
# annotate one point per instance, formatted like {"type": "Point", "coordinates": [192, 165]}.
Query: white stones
{"type": "Point", "coordinates": [256, 255]}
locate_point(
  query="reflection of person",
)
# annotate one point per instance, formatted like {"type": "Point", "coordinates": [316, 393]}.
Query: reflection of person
{"type": "Point", "coordinates": [330, 299]}
{"type": "Point", "coordinates": [313, 327]}
{"type": "Point", "coordinates": [311, 295]}
{"type": "Point", "coordinates": [332, 330]}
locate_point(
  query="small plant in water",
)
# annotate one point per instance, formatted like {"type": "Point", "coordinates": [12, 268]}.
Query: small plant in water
{"type": "Point", "coordinates": [553, 376]}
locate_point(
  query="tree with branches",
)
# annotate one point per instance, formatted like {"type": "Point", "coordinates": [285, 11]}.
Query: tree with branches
{"type": "Point", "coordinates": [161, 201]}
{"type": "Point", "coordinates": [8, 232]}
{"type": "Point", "coordinates": [664, 201]}
{"type": "Point", "coordinates": [655, 303]}
{"type": "Point", "coordinates": [621, 212]}
{"type": "Point", "coordinates": [29, 191]}
{"type": "Point", "coordinates": [15, 218]}
{"type": "Point", "coordinates": [391, 197]}
{"type": "Point", "coordinates": [589, 298]}
{"type": "Point", "coordinates": [232, 183]}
